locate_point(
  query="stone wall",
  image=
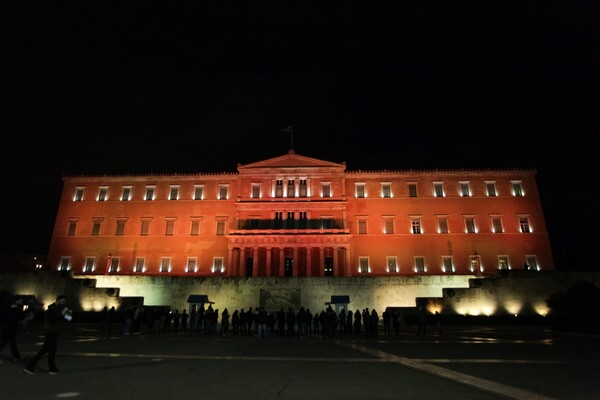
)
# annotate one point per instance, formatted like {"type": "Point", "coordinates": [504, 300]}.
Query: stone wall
{"type": "Point", "coordinates": [515, 292]}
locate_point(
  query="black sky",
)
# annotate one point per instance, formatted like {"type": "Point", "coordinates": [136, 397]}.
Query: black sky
{"type": "Point", "coordinates": [142, 87]}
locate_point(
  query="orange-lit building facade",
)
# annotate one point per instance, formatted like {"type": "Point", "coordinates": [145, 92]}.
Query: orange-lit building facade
{"type": "Point", "coordinates": [298, 216]}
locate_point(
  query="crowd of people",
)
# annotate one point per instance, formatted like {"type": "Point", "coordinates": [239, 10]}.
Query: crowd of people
{"type": "Point", "coordinates": [260, 322]}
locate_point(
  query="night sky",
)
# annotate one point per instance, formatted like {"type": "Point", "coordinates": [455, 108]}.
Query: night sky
{"type": "Point", "coordinates": [132, 87]}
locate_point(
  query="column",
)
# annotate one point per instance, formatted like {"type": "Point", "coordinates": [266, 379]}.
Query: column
{"type": "Point", "coordinates": [231, 270]}
{"type": "Point", "coordinates": [348, 270]}
{"type": "Point", "coordinates": [336, 268]}
{"type": "Point", "coordinates": [268, 262]}
{"type": "Point", "coordinates": [308, 262]}
{"type": "Point", "coordinates": [321, 262]}
{"type": "Point", "coordinates": [281, 255]}
{"type": "Point", "coordinates": [254, 261]}
{"type": "Point", "coordinates": [295, 263]}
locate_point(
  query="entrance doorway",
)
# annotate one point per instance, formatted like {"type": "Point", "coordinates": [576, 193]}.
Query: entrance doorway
{"type": "Point", "coordinates": [328, 269]}
{"type": "Point", "coordinates": [288, 266]}
{"type": "Point", "coordinates": [249, 263]}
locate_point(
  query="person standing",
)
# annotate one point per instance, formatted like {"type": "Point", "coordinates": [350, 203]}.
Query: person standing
{"type": "Point", "coordinates": [12, 320]}
{"type": "Point", "coordinates": [53, 320]}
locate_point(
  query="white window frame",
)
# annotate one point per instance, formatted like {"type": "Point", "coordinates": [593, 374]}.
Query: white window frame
{"type": "Point", "coordinates": [223, 192]}
{"type": "Point", "coordinates": [532, 259]}
{"type": "Point", "coordinates": [470, 224]}
{"type": "Point", "coordinates": [115, 265]}
{"type": "Point", "coordinates": [140, 265]}
{"type": "Point", "coordinates": [326, 191]}
{"type": "Point", "coordinates": [420, 266]}
{"type": "Point", "coordinates": [65, 263]}
{"type": "Point", "coordinates": [121, 222]}
{"type": "Point", "coordinates": [438, 189]}
{"type": "Point", "coordinates": [497, 226]}
{"type": "Point", "coordinates": [79, 193]}
{"type": "Point", "coordinates": [174, 192]}
{"type": "Point", "coordinates": [102, 193]}
{"type": "Point", "coordinates": [89, 265]}
{"type": "Point", "coordinates": [150, 193]}
{"type": "Point", "coordinates": [448, 264]}
{"type": "Point", "coordinates": [388, 225]}
{"type": "Point", "coordinates": [191, 265]}
{"type": "Point", "coordinates": [364, 265]}
{"type": "Point", "coordinates": [363, 222]}
{"type": "Point", "coordinates": [218, 265]}
{"type": "Point", "coordinates": [413, 190]}
{"type": "Point", "coordinates": [198, 192]}
{"type": "Point", "coordinates": [464, 188]}
{"type": "Point", "coordinates": [502, 259]}
{"type": "Point", "coordinates": [524, 224]}
{"type": "Point", "coordinates": [444, 219]}
{"type": "Point", "coordinates": [360, 190]}
{"type": "Point", "coordinates": [490, 189]}
{"type": "Point", "coordinates": [386, 190]}
{"type": "Point", "coordinates": [256, 191]}
{"type": "Point", "coordinates": [392, 264]}
{"type": "Point", "coordinates": [165, 265]}
{"type": "Point", "coordinates": [516, 187]}
{"type": "Point", "coordinates": [416, 227]}
{"type": "Point", "coordinates": [126, 193]}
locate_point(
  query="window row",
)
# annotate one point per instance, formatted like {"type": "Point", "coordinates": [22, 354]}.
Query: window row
{"type": "Point", "coordinates": [469, 225]}
{"type": "Point", "coordinates": [293, 188]}
{"type": "Point", "coordinates": [445, 264]}
{"type": "Point", "coordinates": [438, 190]}
{"type": "Point", "coordinates": [388, 227]}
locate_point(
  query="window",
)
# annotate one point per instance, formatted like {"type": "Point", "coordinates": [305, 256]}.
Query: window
{"type": "Point", "coordinates": [65, 264]}
{"type": "Point", "coordinates": [326, 190]}
{"type": "Point", "coordinates": [490, 188]}
{"type": "Point", "coordinates": [220, 228]}
{"type": "Point", "coordinates": [360, 190]}
{"type": "Point", "coordinates": [524, 225]}
{"type": "Point", "coordinates": [531, 262]}
{"type": "Point", "coordinates": [191, 264]}
{"type": "Point", "coordinates": [72, 229]}
{"type": "Point", "coordinates": [326, 223]}
{"type": "Point", "coordinates": [465, 190]}
{"type": "Point", "coordinates": [198, 192]}
{"type": "Point", "coordinates": [218, 265]}
{"type": "Point", "coordinates": [474, 263]}
{"type": "Point", "coordinates": [174, 193]}
{"type": "Point", "coordinates": [150, 190]}
{"type": "Point", "coordinates": [89, 264]}
{"type": "Point", "coordinates": [503, 262]}
{"type": "Point", "coordinates": [279, 188]}
{"type": "Point", "coordinates": [415, 225]}
{"type": "Point", "coordinates": [389, 226]}
{"type": "Point", "coordinates": [303, 191]}
{"type": "Point", "coordinates": [96, 227]}
{"type": "Point", "coordinates": [140, 265]}
{"type": "Point", "coordinates": [442, 224]}
{"type": "Point", "coordinates": [103, 193]}
{"type": "Point", "coordinates": [78, 194]}
{"type": "Point", "coordinates": [145, 227]}
{"type": "Point", "coordinates": [120, 227]}
{"type": "Point", "coordinates": [165, 264]}
{"type": "Point", "coordinates": [291, 188]}
{"type": "Point", "coordinates": [517, 189]}
{"type": "Point", "coordinates": [497, 224]}
{"type": "Point", "coordinates": [412, 190]}
{"type": "Point", "coordinates": [470, 225]}
{"type": "Point", "coordinates": [447, 264]}
{"type": "Point", "coordinates": [126, 194]}
{"type": "Point", "coordinates": [363, 265]}
{"type": "Point", "coordinates": [255, 191]}
{"type": "Point", "coordinates": [170, 227]}
{"type": "Point", "coordinates": [223, 192]}
{"type": "Point", "coordinates": [195, 228]}
{"type": "Point", "coordinates": [114, 265]}
{"type": "Point", "coordinates": [362, 226]}
{"type": "Point", "coordinates": [302, 215]}
{"type": "Point", "coordinates": [392, 264]}
{"type": "Point", "coordinates": [420, 264]}
{"type": "Point", "coordinates": [438, 189]}
{"type": "Point", "coordinates": [386, 190]}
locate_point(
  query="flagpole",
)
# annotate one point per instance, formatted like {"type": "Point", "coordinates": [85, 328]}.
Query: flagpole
{"type": "Point", "coordinates": [291, 138]}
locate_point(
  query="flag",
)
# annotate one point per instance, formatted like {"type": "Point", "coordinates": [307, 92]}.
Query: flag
{"type": "Point", "coordinates": [287, 129]}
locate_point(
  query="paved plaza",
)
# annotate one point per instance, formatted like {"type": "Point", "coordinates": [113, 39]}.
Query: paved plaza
{"type": "Point", "coordinates": [465, 362]}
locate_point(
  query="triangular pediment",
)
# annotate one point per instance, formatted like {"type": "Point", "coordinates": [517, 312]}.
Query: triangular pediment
{"type": "Point", "coordinates": [292, 160]}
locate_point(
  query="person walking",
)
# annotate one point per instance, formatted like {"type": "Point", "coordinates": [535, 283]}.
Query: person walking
{"type": "Point", "coordinates": [12, 320]}
{"type": "Point", "coordinates": [53, 320]}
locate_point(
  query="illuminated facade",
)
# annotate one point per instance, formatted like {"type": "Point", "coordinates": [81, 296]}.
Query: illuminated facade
{"type": "Point", "coordinates": [296, 216]}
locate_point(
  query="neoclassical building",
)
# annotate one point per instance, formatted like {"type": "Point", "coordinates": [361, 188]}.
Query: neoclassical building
{"type": "Point", "coordinates": [297, 216]}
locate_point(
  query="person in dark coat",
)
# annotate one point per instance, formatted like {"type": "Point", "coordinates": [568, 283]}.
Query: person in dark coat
{"type": "Point", "coordinates": [53, 320]}
{"type": "Point", "coordinates": [12, 319]}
